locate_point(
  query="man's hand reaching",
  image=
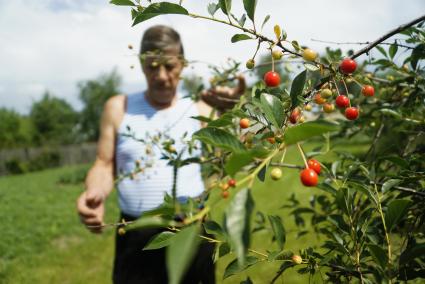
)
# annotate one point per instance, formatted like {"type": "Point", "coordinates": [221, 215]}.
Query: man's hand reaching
{"type": "Point", "coordinates": [223, 97]}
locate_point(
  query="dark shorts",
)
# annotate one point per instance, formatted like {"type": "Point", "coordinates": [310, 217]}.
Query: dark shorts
{"type": "Point", "coordinates": [134, 265]}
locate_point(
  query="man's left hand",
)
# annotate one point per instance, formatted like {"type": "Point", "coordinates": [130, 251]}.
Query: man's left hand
{"type": "Point", "coordinates": [224, 97]}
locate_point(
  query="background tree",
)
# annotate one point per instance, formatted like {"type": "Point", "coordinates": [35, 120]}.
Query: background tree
{"type": "Point", "coordinates": [11, 129]}
{"type": "Point", "coordinates": [54, 121]}
{"type": "Point", "coordinates": [94, 93]}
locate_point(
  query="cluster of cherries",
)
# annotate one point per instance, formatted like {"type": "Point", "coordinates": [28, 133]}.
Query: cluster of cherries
{"type": "Point", "coordinates": [225, 187]}
{"type": "Point", "coordinates": [347, 67]}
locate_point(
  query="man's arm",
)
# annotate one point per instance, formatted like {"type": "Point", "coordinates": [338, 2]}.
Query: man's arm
{"type": "Point", "coordinates": [100, 178]}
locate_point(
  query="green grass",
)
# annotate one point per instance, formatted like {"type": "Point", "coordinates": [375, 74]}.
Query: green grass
{"type": "Point", "coordinates": [42, 240]}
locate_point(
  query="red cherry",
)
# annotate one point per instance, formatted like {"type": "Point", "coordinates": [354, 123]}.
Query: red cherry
{"type": "Point", "coordinates": [351, 113]}
{"type": "Point", "coordinates": [309, 177]}
{"type": "Point", "coordinates": [231, 182]}
{"type": "Point", "coordinates": [342, 101]}
{"type": "Point", "coordinates": [314, 164]}
{"type": "Point", "coordinates": [225, 194]}
{"type": "Point", "coordinates": [271, 140]}
{"type": "Point", "coordinates": [295, 115]}
{"type": "Point", "coordinates": [348, 66]}
{"type": "Point", "coordinates": [368, 91]}
{"type": "Point", "coordinates": [272, 79]}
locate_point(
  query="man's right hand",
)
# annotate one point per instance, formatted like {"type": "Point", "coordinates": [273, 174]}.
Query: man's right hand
{"type": "Point", "coordinates": [91, 208]}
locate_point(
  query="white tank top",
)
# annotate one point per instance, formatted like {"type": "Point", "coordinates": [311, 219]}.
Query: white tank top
{"type": "Point", "coordinates": [146, 191]}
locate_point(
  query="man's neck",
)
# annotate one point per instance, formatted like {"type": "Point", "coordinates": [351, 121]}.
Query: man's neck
{"type": "Point", "coordinates": [159, 105]}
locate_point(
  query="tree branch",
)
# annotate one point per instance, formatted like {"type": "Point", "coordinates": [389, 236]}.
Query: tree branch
{"type": "Point", "coordinates": [386, 36]}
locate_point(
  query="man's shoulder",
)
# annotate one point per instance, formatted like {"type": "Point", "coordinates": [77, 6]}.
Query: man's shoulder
{"type": "Point", "coordinates": [116, 103]}
{"type": "Point", "coordinates": [114, 109]}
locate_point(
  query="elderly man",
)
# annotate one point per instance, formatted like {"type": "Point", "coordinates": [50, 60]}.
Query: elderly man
{"type": "Point", "coordinates": [158, 108]}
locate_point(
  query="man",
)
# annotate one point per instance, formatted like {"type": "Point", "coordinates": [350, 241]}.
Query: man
{"type": "Point", "coordinates": [158, 108]}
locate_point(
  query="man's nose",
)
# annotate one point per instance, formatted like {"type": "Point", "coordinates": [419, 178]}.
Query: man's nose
{"type": "Point", "coordinates": [162, 73]}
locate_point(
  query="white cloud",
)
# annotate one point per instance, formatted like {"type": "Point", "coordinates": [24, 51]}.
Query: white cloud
{"type": "Point", "coordinates": [58, 43]}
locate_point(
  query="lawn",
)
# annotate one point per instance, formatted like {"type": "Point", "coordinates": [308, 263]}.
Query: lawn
{"type": "Point", "coordinates": [42, 240]}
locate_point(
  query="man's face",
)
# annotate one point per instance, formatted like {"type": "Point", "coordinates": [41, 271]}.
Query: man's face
{"type": "Point", "coordinates": [162, 75]}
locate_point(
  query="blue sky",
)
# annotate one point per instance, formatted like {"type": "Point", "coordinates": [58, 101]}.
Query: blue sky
{"type": "Point", "coordinates": [54, 44]}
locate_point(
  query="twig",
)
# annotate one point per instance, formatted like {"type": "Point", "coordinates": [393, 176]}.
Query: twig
{"type": "Point", "coordinates": [361, 43]}
{"type": "Point", "coordinates": [387, 35]}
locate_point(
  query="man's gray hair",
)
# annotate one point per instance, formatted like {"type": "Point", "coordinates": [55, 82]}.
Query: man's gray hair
{"type": "Point", "coordinates": [161, 38]}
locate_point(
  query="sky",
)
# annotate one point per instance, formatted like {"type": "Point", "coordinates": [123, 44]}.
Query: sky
{"type": "Point", "coordinates": [54, 44]}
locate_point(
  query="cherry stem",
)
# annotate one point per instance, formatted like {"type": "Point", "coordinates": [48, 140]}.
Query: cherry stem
{"type": "Point", "coordinates": [283, 155]}
{"type": "Point", "coordinates": [302, 155]}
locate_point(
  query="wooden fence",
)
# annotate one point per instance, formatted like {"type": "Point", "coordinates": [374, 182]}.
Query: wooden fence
{"type": "Point", "coordinates": [69, 155]}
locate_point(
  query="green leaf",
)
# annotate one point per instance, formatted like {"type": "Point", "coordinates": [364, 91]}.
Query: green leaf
{"type": "Point", "coordinates": [219, 138]}
{"type": "Point", "coordinates": [278, 230]}
{"type": "Point", "coordinates": [266, 19]}
{"type": "Point", "coordinates": [247, 281]}
{"type": "Point", "coordinates": [308, 129]}
{"type": "Point", "coordinates": [212, 8]}
{"type": "Point", "coordinates": [224, 249]}
{"type": "Point", "coordinates": [417, 54]}
{"type": "Point", "coordinates": [273, 109]}
{"type": "Point", "coordinates": [390, 112]}
{"type": "Point", "coordinates": [122, 2]}
{"type": "Point", "coordinates": [161, 240]}
{"type": "Point", "coordinates": [150, 222]}
{"type": "Point", "coordinates": [224, 120]}
{"type": "Point", "coordinates": [237, 223]}
{"type": "Point", "coordinates": [297, 88]}
{"type": "Point", "coordinates": [234, 267]}
{"type": "Point", "coordinates": [262, 173]}
{"type": "Point", "coordinates": [411, 253]}
{"type": "Point", "coordinates": [389, 184]}
{"type": "Point", "coordinates": [242, 20]}
{"type": "Point", "coordinates": [378, 254]}
{"type": "Point", "coordinates": [202, 118]}
{"type": "Point", "coordinates": [396, 210]}
{"type": "Point", "coordinates": [239, 37]}
{"type": "Point", "coordinates": [393, 50]}
{"type": "Point", "coordinates": [213, 228]}
{"type": "Point", "coordinates": [249, 6]}
{"type": "Point", "coordinates": [381, 50]}
{"type": "Point", "coordinates": [296, 45]}
{"type": "Point", "coordinates": [225, 5]}
{"type": "Point", "coordinates": [181, 252]}
{"type": "Point", "coordinates": [238, 161]}
{"type": "Point", "coordinates": [157, 9]}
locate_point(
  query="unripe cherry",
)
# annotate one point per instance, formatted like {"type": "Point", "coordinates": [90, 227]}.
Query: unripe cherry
{"type": "Point", "coordinates": [250, 64]}
{"type": "Point", "coordinates": [296, 259]}
{"type": "Point", "coordinates": [319, 100]}
{"type": "Point", "coordinates": [328, 108]}
{"type": "Point", "coordinates": [244, 123]}
{"type": "Point", "coordinates": [309, 54]}
{"type": "Point", "coordinates": [308, 107]}
{"type": "Point", "coordinates": [326, 93]}
{"type": "Point", "coordinates": [277, 54]}
{"type": "Point", "coordinates": [276, 174]}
